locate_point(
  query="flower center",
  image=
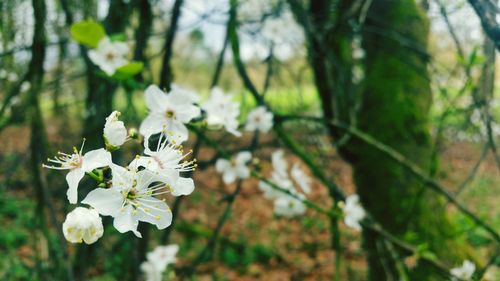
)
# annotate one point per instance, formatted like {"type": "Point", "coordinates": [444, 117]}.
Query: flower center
{"type": "Point", "coordinates": [110, 56]}
{"type": "Point", "coordinates": [132, 194]}
{"type": "Point", "coordinates": [170, 114]}
{"type": "Point", "coordinates": [75, 161]}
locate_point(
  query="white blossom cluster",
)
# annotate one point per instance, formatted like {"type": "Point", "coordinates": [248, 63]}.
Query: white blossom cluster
{"type": "Point", "coordinates": [158, 260]}
{"type": "Point", "coordinates": [109, 55]}
{"type": "Point", "coordinates": [135, 192]}
{"type": "Point", "coordinates": [464, 272]}
{"type": "Point", "coordinates": [353, 212]}
{"type": "Point", "coordinates": [284, 204]}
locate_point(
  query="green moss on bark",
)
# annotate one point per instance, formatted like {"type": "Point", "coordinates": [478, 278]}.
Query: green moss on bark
{"type": "Point", "coordinates": [395, 107]}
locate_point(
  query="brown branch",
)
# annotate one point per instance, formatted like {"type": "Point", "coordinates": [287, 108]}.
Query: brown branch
{"type": "Point", "coordinates": [404, 162]}
{"type": "Point", "coordinates": [487, 13]}
{"type": "Point", "coordinates": [166, 75]}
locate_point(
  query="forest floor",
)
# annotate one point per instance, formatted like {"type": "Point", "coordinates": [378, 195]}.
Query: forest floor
{"type": "Point", "coordinates": [259, 246]}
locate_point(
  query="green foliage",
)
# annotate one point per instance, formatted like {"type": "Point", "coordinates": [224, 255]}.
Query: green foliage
{"type": "Point", "coordinates": [87, 32]}
{"type": "Point", "coordinates": [128, 71]}
{"type": "Point", "coordinates": [236, 256]}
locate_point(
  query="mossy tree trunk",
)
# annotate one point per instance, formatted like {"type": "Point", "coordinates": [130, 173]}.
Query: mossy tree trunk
{"type": "Point", "coordinates": [395, 101]}
{"type": "Point", "coordinates": [395, 108]}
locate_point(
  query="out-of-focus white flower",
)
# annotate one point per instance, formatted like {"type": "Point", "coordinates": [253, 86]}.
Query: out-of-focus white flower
{"type": "Point", "coordinates": [353, 212]}
{"type": "Point", "coordinates": [131, 199]}
{"type": "Point", "coordinates": [259, 119]}
{"type": "Point", "coordinates": [25, 86]}
{"type": "Point", "coordinates": [465, 271]}
{"type": "Point", "coordinates": [191, 95]}
{"type": "Point", "coordinates": [150, 271]}
{"type": "Point", "coordinates": [3, 73]}
{"type": "Point", "coordinates": [168, 162]}
{"type": "Point", "coordinates": [12, 77]}
{"type": "Point", "coordinates": [282, 29]}
{"type": "Point", "coordinates": [79, 164]}
{"type": "Point", "coordinates": [236, 168]}
{"type": "Point", "coordinates": [272, 193]}
{"type": "Point", "coordinates": [115, 133]}
{"type": "Point", "coordinates": [253, 10]}
{"type": "Point", "coordinates": [222, 111]}
{"type": "Point", "coordinates": [301, 178]}
{"type": "Point", "coordinates": [168, 113]}
{"type": "Point", "coordinates": [158, 260]}
{"type": "Point", "coordinates": [280, 165]}
{"type": "Point", "coordinates": [285, 204]}
{"type": "Point", "coordinates": [162, 256]}
{"type": "Point", "coordinates": [83, 224]}
{"type": "Point", "coordinates": [289, 207]}
{"type": "Point", "coordinates": [109, 56]}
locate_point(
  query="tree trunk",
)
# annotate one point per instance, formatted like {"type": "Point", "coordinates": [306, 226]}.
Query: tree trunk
{"type": "Point", "coordinates": [395, 101]}
{"type": "Point", "coordinates": [395, 108]}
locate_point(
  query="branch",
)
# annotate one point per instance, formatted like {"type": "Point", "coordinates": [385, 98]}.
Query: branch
{"type": "Point", "coordinates": [235, 46]}
{"type": "Point", "coordinates": [404, 162]}
{"type": "Point", "coordinates": [166, 75]}
{"type": "Point", "coordinates": [487, 13]}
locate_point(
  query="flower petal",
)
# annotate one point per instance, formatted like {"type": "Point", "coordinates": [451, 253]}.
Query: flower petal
{"type": "Point", "coordinates": [152, 124]}
{"type": "Point", "coordinates": [176, 131]}
{"type": "Point", "coordinates": [222, 165]}
{"type": "Point", "coordinates": [154, 211]}
{"type": "Point", "coordinates": [156, 99]}
{"type": "Point", "coordinates": [229, 176]}
{"type": "Point", "coordinates": [183, 186]}
{"type": "Point", "coordinates": [126, 221]}
{"type": "Point", "coordinates": [107, 201]}
{"type": "Point", "coordinates": [96, 159]}
{"type": "Point", "coordinates": [73, 178]}
{"type": "Point", "coordinates": [122, 178]}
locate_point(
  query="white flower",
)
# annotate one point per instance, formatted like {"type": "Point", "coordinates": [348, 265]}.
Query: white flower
{"type": "Point", "coordinates": [280, 166]}
{"type": "Point", "coordinates": [222, 111]}
{"type": "Point", "coordinates": [259, 119]}
{"type": "Point", "coordinates": [150, 271]}
{"type": "Point", "coordinates": [83, 224]}
{"type": "Point", "coordinates": [168, 113]}
{"type": "Point", "coordinates": [158, 260]}
{"type": "Point", "coordinates": [288, 206]}
{"type": "Point", "coordinates": [131, 199]}
{"type": "Point", "coordinates": [109, 56]}
{"type": "Point", "coordinates": [115, 133]}
{"type": "Point", "coordinates": [12, 77]}
{"type": "Point", "coordinates": [285, 204]}
{"type": "Point", "coordinates": [301, 178]}
{"type": "Point", "coordinates": [25, 86]}
{"type": "Point", "coordinates": [236, 168]}
{"type": "Point", "coordinates": [353, 211]}
{"type": "Point", "coordinates": [78, 165]}
{"type": "Point", "coordinates": [464, 272]}
{"type": "Point", "coordinates": [272, 193]}
{"type": "Point", "coordinates": [187, 93]}
{"type": "Point", "coordinates": [167, 161]}
{"type": "Point", "coordinates": [162, 256]}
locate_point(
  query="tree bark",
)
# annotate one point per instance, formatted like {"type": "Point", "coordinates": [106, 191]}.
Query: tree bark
{"type": "Point", "coordinates": [166, 75]}
{"type": "Point", "coordinates": [395, 101]}
{"type": "Point", "coordinates": [395, 108]}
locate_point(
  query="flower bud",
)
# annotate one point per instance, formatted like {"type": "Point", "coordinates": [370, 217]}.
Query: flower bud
{"type": "Point", "coordinates": [83, 224]}
{"type": "Point", "coordinates": [115, 133]}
